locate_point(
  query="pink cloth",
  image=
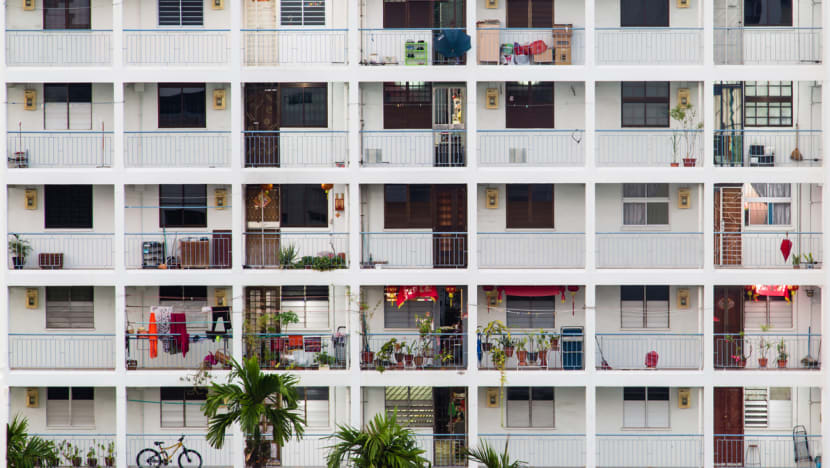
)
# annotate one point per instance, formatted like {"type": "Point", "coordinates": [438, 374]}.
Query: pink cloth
{"type": "Point", "coordinates": [178, 328]}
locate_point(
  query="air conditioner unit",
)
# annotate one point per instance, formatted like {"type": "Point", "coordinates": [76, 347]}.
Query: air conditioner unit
{"type": "Point", "coordinates": [518, 155]}
{"type": "Point", "coordinates": [373, 156]}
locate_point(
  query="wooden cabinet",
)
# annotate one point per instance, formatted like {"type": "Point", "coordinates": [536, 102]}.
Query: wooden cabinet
{"type": "Point", "coordinates": [195, 253]}
{"type": "Point", "coordinates": [488, 41]}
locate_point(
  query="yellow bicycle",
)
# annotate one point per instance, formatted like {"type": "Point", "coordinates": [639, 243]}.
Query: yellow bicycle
{"type": "Point", "coordinates": [151, 457]}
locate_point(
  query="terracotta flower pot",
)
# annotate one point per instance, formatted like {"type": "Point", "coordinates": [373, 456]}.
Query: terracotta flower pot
{"type": "Point", "coordinates": [674, 164]}
{"type": "Point", "coordinates": [508, 351]}
{"type": "Point", "coordinates": [399, 357]}
{"type": "Point", "coordinates": [543, 358]}
{"type": "Point", "coordinates": [762, 362]}
{"type": "Point", "coordinates": [367, 357]}
{"type": "Point", "coordinates": [486, 347]}
{"type": "Point", "coordinates": [782, 363]}
{"type": "Point", "coordinates": [109, 461]}
{"type": "Point", "coordinates": [92, 462]}
{"type": "Point", "coordinates": [522, 355]}
{"type": "Point", "coordinates": [554, 344]}
{"type": "Point", "coordinates": [419, 361]}
{"type": "Point", "coordinates": [407, 359]}
{"type": "Point", "coordinates": [689, 162]}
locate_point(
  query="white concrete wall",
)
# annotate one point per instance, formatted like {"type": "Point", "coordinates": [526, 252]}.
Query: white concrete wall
{"type": "Point", "coordinates": [146, 220]}
{"type": "Point", "coordinates": [22, 220]}
{"type": "Point", "coordinates": [682, 421]}
{"type": "Point", "coordinates": [680, 320]}
{"type": "Point", "coordinates": [609, 102]}
{"type": "Point", "coordinates": [17, 18]}
{"type": "Point", "coordinates": [104, 412]}
{"type": "Point", "coordinates": [568, 414]}
{"type": "Point", "coordinates": [568, 106]}
{"type": "Point", "coordinates": [143, 14]}
{"type": "Point", "coordinates": [32, 121]}
{"type": "Point", "coordinates": [141, 108]}
{"type": "Point", "coordinates": [608, 15]}
{"type": "Point", "coordinates": [23, 320]}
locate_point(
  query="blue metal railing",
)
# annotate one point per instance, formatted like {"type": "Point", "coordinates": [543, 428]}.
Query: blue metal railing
{"type": "Point", "coordinates": [768, 148]}
{"type": "Point", "coordinates": [649, 249]}
{"type": "Point", "coordinates": [531, 249]}
{"type": "Point", "coordinates": [649, 147]}
{"type": "Point", "coordinates": [270, 47]}
{"type": "Point", "coordinates": [649, 449]}
{"type": "Point", "coordinates": [628, 351]}
{"type": "Point", "coordinates": [172, 148]}
{"type": "Point", "coordinates": [767, 45]}
{"type": "Point", "coordinates": [58, 47]}
{"type": "Point", "coordinates": [649, 46]}
{"type": "Point", "coordinates": [762, 249]}
{"type": "Point", "coordinates": [412, 249]}
{"type": "Point", "coordinates": [531, 147]}
{"type": "Point", "coordinates": [54, 149]}
{"type": "Point", "coordinates": [178, 47]}
{"type": "Point", "coordinates": [387, 46]}
{"type": "Point", "coordinates": [417, 147]}
{"type": "Point", "coordinates": [61, 350]}
{"type": "Point", "coordinates": [296, 148]}
{"type": "Point", "coordinates": [61, 250]}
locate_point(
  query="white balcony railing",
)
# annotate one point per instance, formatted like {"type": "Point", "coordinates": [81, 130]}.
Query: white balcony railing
{"type": "Point", "coordinates": [649, 249]}
{"type": "Point", "coordinates": [649, 148]}
{"type": "Point", "coordinates": [422, 147]}
{"type": "Point", "coordinates": [271, 47]}
{"type": "Point", "coordinates": [762, 249]}
{"type": "Point", "coordinates": [82, 442]}
{"type": "Point", "coordinates": [50, 149]}
{"type": "Point", "coordinates": [761, 350]}
{"type": "Point", "coordinates": [627, 351]}
{"type": "Point", "coordinates": [767, 45]}
{"type": "Point", "coordinates": [550, 450]}
{"type": "Point", "coordinates": [768, 148]}
{"type": "Point", "coordinates": [64, 47]}
{"type": "Point", "coordinates": [531, 249]}
{"type": "Point", "coordinates": [61, 251]}
{"type": "Point", "coordinates": [528, 148]}
{"type": "Point", "coordinates": [773, 450]}
{"type": "Point", "coordinates": [650, 449]}
{"type": "Point", "coordinates": [211, 457]}
{"type": "Point", "coordinates": [649, 46]}
{"type": "Point", "coordinates": [567, 354]}
{"type": "Point", "coordinates": [296, 148]}
{"type": "Point", "coordinates": [490, 41]}
{"type": "Point", "coordinates": [389, 47]}
{"type": "Point", "coordinates": [61, 351]}
{"type": "Point", "coordinates": [181, 47]}
{"type": "Point", "coordinates": [192, 149]}
{"type": "Point", "coordinates": [408, 249]}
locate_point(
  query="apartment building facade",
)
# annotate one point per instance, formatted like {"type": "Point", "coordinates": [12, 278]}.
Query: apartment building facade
{"type": "Point", "coordinates": [180, 172]}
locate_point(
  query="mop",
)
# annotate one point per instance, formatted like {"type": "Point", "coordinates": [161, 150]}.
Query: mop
{"type": "Point", "coordinates": [808, 360]}
{"type": "Point", "coordinates": [604, 365]}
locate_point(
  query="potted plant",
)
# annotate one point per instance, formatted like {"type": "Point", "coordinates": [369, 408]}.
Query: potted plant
{"type": "Point", "coordinates": [763, 348]}
{"type": "Point", "coordinates": [808, 261]}
{"type": "Point", "coordinates": [506, 344]}
{"type": "Point", "coordinates": [19, 249]}
{"type": "Point", "coordinates": [71, 454]}
{"type": "Point", "coordinates": [495, 327]}
{"type": "Point", "coordinates": [781, 347]}
{"type": "Point", "coordinates": [532, 354]}
{"type": "Point", "coordinates": [554, 342]}
{"type": "Point", "coordinates": [686, 116]}
{"type": "Point", "coordinates": [542, 344]}
{"type": "Point", "coordinates": [739, 357]}
{"type": "Point", "coordinates": [521, 351]}
{"type": "Point", "coordinates": [109, 450]}
{"type": "Point", "coordinates": [398, 356]}
{"type": "Point", "coordinates": [796, 261]}
{"type": "Point", "coordinates": [410, 348]}
{"type": "Point", "coordinates": [91, 459]}
{"type": "Point", "coordinates": [324, 359]}
{"type": "Point", "coordinates": [418, 358]}
{"type": "Point", "coordinates": [384, 355]}
{"type": "Point", "coordinates": [288, 256]}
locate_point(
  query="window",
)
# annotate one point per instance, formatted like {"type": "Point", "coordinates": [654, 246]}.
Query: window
{"type": "Point", "coordinates": [189, 300]}
{"type": "Point", "coordinates": [183, 293]}
{"type": "Point", "coordinates": [67, 106]}
{"type": "Point", "coordinates": [310, 303]}
{"type": "Point", "coordinates": [66, 14]}
{"type": "Point", "coordinates": [413, 404]}
{"type": "Point", "coordinates": [767, 204]}
{"type": "Point", "coordinates": [406, 315]}
{"type": "Point", "coordinates": [768, 311]}
{"type": "Point", "coordinates": [303, 205]}
{"type": "Point", "coordinates": [182, 205]}
{"type": "Point", "coordinates": [530, 206]}
{"type": "Point", "coordinates": [529, 13]}
{"type": "Point", "coordinates": [530, 312]}
{"type": "Point", "coordinates": [530, 407]}
{"type": "Point", "coordinates": [645, 104]}
{"type": "Point", "coordinates": [645, 204]}
{"type": "Point", "coordinates": [181, 407]}
{"type": "Point", "coordinates": [70, 406]}
{"type": "Point", "coordinates": [70, 307]}
{"type": "Point", "coordinates": [644, 13]}
{"type": "Point", "coordinates": [646, 407]}
{"type": "Point", "coordinates": [644, 306]}
{"type": "Point", "coordinates": [408, 14]}
{"type": "Point", "coordinates": [303, 12]}
{"type": "Point", "coordinates": [768, 103]}
{"type": "Point", "coordinates": [768, 407]}
{"type": "Point", "coordinates": [768, 12]}
{"type": "Point", "coordinates": [67, 206]}
{"type": "Point", "coordinates": [181, 105]}
{"type": "Point", "coordinates": [407, 105]}
{"type": "Point", "coordinates": [529, 104]}
{"type": "Point", "coordinates": [303, 105]}
{"type": "Point", "coordinates": [314, 403]}
{"type": "Point", "coordinates": [407, 206]}
{"type": "Point", "coordinates": [181, 12]}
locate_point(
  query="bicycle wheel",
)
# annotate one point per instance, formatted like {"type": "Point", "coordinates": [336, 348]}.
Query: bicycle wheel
{"type": "Point", "coordinates": [190, 459]}
{"type": "Point", "coordinates": [148, 457]}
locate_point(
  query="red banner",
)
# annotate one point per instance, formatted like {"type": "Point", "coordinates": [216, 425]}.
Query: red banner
{"type": "Point", "coordinates": [415, 292]}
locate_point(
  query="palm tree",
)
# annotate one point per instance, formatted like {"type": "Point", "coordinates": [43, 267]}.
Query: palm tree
{"type": "Point", "coordinates": [255, 400]}
{"type": "Point", "coordinates": [486, 455]}
{"type": "Point", "coordinates": [23, 451]}
{"type": "Point", "coordinates": [383, 444]}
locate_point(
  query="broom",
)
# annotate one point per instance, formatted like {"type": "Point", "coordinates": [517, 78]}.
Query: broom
{"type": "Point", "coordinates": [796, 154]}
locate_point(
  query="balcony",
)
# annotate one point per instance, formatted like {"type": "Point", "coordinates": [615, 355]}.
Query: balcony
{"type": "Point", "coordinates": [60, 48]}
{"type": "Point", "coordinates": [761, 351]}
{"type": "Point", "coordinates": [531, 249]}
{"type": "Point", "coordinates": [50, 149]}
{"type": "Point", "coordinates": [491, 39]}
{"type": "Point", "coordinates": [413, 351]}
{"type": "Point", "coordinates": [61, 351]}
{"type": "Point", "coordinates": [762, 250]}
{"type": "Point", "coordinates": [779, 45]}
{"type": "Point", "coordinates": [166, 149]}
{"type": "Point", "coordinates": [649, 46]}
{"type": "Point", "coordinates": [177, 250]}
{"type": "Point", "coordinates": [650, 449]}
{"type": "Point", "coordinates": [184, 48]}
{"type": "Point", "coordinates": [649, 249]}
{"type": "Point", "coordinates": [418, 148]}
{"type": "Point", "coordinates": [414, 46]}
{"type": "Point", "coordinates": [765, 449]}
{"type": "Point", "coordinates": [298, 351]}
{"type": "Point", "coordinates": [551, 450]}
{"type": "Point", "coordinates": [648, 148]}
{"type": "Point", "coordinates": [768, 148]}
{"type": "Point", "coordinates": [296, 148]}
{"type": "Point", "coordinates": [83, 442]}
{"type": "Point", "coordinates": [272, 47]}
{"type": "Point", "coordinates": [167, 350]}
{"type": "Point", "coordinates": [61, 251]}
{"type": "Point", "coordinates": [529, 148]}
{"type": "Point", "coordinates": [312, 250]}
{"type": "Point", "coordinates": [210, 456]}
{"type": "Point", "coordinates": [525, 351]}
{"type": "Point", "coordinates": [444, 450]}
{"type": "Point", "coordinates": [414, 249]}
{"type": "Point", "coordinates": [629, 351]}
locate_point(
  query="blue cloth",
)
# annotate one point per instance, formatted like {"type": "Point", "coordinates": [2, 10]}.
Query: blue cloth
{"type": "Point", "coordinates": [452, 43]}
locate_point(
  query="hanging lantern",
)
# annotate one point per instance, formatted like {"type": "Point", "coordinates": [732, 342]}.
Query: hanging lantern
{"type": "Point", "coordinates": [326, 188]}
{"type": "Point", "coordinates": [573, 290]}
{"type": "Point", "coordinates": [786, 247]}
{"type": "Point", "coordinates": [391, 293]}
{"type": "Point", "coordinates": [451, 290]}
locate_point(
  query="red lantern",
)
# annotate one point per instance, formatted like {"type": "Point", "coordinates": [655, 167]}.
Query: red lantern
{"type": "Point", "coordinates": [786, 247]}
{"type": "Point", "coordinates": [573, 290]}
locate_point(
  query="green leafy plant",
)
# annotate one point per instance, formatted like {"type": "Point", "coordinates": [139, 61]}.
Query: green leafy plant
{"type": "Point", "coordinates": [323, 358]}
{"type": "Point", "coordinates": [108, 449]}
{"type": "Point", "coordinates": [486, 455]}
{"type": "Point", "coordinates": [71, 453]}
{"type": "Point", "coordinates": [19, 248]}
{"type": "Point", "coordinates": [385, 354]}
{"type": "Point", "coordinates": [24, 451]}
{"type": "Point", "coordinates": [383, 443]}
{"type": "Point", "coordinates": [521, 344]}
{"type": "Point", "coordinates": [91, 459]}
{"type": "Point", "coordinates": [288, 256]}
{"type": "Point", "coordinates": [424, 325]}
{"type": "Point", "coordinates": [781, 348]}
{"type": "Point", "coordinates": [686, 116]}
{"type": "Point", "coordinates": [796, 260]}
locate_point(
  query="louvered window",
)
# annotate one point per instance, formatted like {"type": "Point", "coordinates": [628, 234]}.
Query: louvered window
{"type": "Point", "coordinates": [182, 407]}
{"type": "Point", "coordinates": [768, 407]}
{"type": "Point", "coordinates": [772, 311]}
{"type": "Point", "coordinates": [181, 12]}
{"type": "Point", "coordinates": [70, 307]}
{"type": "Point", "coordinates": [644, 306]}
{"type": "Point", "coordinates": [530, 312]}
{"type": "Point", "coordinates": [530, 407]}
{"type": "Point", "coordinates": [646, 407]}
{"type": "Point", "coordinates": [406, 315]}
{"type": "Point", "coordinates": [314, 403]}
{"type": "Point", "coordinates": [70, 407]}
{"type": "Point", "coordinates": [413, 405]}
{"type": "Point", "coordinates": [310, 303]}
{"type": "Point", "coordinates": [303, 12]}
{"type": "Point", "coordinates": [67, 106]}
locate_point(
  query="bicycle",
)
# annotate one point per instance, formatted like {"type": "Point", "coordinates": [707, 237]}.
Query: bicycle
{"type": "Point", "coordinates": [151, 457]}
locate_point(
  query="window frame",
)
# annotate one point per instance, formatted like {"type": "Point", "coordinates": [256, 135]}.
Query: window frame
{"type": "Point", "coordinates": [303, 5]}
{"type": "Point", "coordinates": [530, 408]}
{"type": "Point", "coordinates": [407, 94]}
{"type": "Point", "coordinates": [181, 24]}
{"type": "Point", "coordinates": [532, 313]}
{"type": "Point", "coordinates": [770, 202]}
{"type": "Point", "coordinates": [182, 206]}
{"type": "Point", "coordinates": [286, 192]}
{"type": "Point", "coordinates": [181, 121]}
{"type": "Point", "coordinates": [68, 17]}
{"type": "Point", "coordinates": [645, 100]}
{"type": "Point", "coordinates": [643, 6]}
{"type": "Point", "coordinates": [407, 220]}
{"type": "Point", "coordinates": [305, 86]}
{"type": "Point", "coordinates": [530, 17]}
{"type": "Point", "coordinates": [199, 392]}
{"type": "Point", "coordinates": [757, 102]}
{"type": "Point", "coordinates": [513, 111]}
{"type": "Point", "coordinates": [68, 203]}
{"type": "Point", "coordinates": [646, 399]}
{"type": "Point", "coordinates": [645, 300]}
{"type": "Point", "coordinates": [646, 200]}
{"type": "Point", "coordinates": [532, 220]}
{"type": "Point", "coordinates": [390, 307]}
{"type": "Point", "coordinates": [746, 18]}
{"type": "Point", "coordinates": [404, 418]}
{"type": "Point", "coordinates": [755, 408]}
{"type": "Point", "coordinates": [767, 300]}
{"type": "Point", "coordinates": [305, 298]}
{"type": "Point", "coordinates": [302, 403]}
{"type": "Point", "coordinates": [68, 102]}
{"type": "Point", "coordinates": [69, 304]}
{"type": "Point", "coordinates": [71, 398]}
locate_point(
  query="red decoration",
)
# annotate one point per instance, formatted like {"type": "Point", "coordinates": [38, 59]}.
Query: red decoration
{"type": "Point", "coordinates": [412, 292]}
{"type": "Point", "coordinates": [786, 247]}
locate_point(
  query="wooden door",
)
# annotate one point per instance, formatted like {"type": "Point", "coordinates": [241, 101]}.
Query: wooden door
{"type": "Point", "coordinates": [449, 225]}
{"type": "Point", "coordinates": [221, 248]}
{"type": "Point", "coordinates": [262, 249]}
{"type": "Point", "coordinates": [261, 206]}
{"type": "Point", "coordinates": [728, 324]}
{"type": "Point", "coordinates": [729, 419]}
{"type": "Point", "coordinates": [262, 124]}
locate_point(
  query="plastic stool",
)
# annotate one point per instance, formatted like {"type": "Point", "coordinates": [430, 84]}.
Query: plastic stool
{"type": "Point", "coordinates": [753, 455]}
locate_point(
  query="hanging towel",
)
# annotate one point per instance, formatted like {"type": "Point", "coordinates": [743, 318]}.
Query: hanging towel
{"type": "Point", "coordinates": [163, 316]}
{"type": "Point", "coordinates": [154, 340]}
{"type": "Point", "coordinates": [178, 328]}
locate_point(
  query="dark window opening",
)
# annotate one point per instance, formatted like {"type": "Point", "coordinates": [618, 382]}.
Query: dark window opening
{"type": "Point", "coordinates": [182, 205]}
{"type": "Point", "coordinates": [66, 14]}
{"type": "Point", "coordinates": [407, 105]}
{"type": "Point", "coordinates": [407, 206]}
{"type": "Point", "coordinates": [645, 104]}
{"type": "Point", "coordinates": [68, 206]}
{"type": "Point", "coordinates": [530, 206]}
{"type": "Point", "coordinates": [644, 13]}
{"type": "Point", "coordinates": [303, 205]}
{"type": "Point", "coordinates": [181, 105]}
{"type": "Point", "coordinates": [303, 105]}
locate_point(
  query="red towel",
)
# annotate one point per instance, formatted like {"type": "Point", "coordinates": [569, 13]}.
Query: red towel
{"type": "Point", "coordinates": [154, 340]}
{"type": "Point", "coordinates": [178, 328]}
